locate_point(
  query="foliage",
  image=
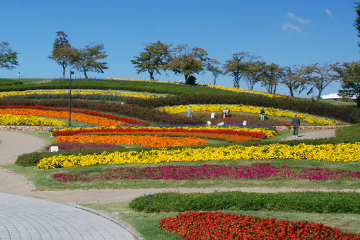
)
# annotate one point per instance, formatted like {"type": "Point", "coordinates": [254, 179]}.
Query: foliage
{"type": "Point", "coordinates": [8, 58]}
{"type": "Point", "coordinates": [350, 77]}
{"type": "Point", "coordinates": [188, 61]}
{"type": "Point", "coordinates": [153, 59]}
{"type": "Point", "coordinates": [320, 202]}
{"type": "Point", "coordinates": [238, 65]}
{"type": "Point", "coordinates": [87, 59]}
{"type": "Point", "coordinates": [357, 20]}
{"type": "Point", "coordinates": [319, 76]}
{"type": "Point", "coordinates": [295, 79]}
{"type": "Point", "coordinates": [272, 75]}
{"type": "Point", "coordinates": [61, 50]}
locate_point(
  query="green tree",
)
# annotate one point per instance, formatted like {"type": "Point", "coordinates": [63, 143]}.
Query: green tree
{"type": "Point", "coordinates": [215, 70]}
{"type": "Point", "coordinates": [8, 58]}
{"type": "Point", "coordinates": [87, 59]}
{"type": "Point", "coordinates": [295, 79]}
{"type": "Point", "coordinates": [188, 61]}
{"type": "Point", "coordinates": [254, 73]}
{"type": "Point", "coordinates": [272, 75]}
{"type": "Point", "coordinates": [61, 50]}
{"type": "Point", "coordinates": [320, 76]}
{"type": "Point", "coordinates": [237, 66]}
{"type": "Point", "coordinates": [357, 20]}
{"type": "Point", "coordinates": [349, 74]}
{"type": "Point", "coordinates": [153, 59]}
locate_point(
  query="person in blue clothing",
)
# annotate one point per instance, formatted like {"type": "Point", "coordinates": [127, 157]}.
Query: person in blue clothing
{"type": "Point", "coordinates": [296, 124]}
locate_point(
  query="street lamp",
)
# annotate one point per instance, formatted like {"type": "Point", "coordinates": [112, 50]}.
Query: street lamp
{"type": "Point", "coordinates": [71, 72]}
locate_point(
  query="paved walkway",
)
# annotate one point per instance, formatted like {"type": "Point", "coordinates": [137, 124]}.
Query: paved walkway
{"type": "Point", "coordinates": [313, 135]}
{"type": "Point", "coordinates": [24, 217]}
{"type": "Point", "coordinates": [31, 218]}
{"type": "Point", "coordinates": [25, 214]}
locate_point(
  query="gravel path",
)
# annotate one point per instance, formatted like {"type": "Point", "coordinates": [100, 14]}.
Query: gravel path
{"type": "Point", "coordinates": [13, 183]}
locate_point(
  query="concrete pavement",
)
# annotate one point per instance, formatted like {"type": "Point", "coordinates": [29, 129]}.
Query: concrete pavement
{"type": "Point", "coordinates": [23, 217]}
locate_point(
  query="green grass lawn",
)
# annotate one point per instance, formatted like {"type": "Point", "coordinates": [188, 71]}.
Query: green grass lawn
{"type": "Point", "coordinates": [147, 223]}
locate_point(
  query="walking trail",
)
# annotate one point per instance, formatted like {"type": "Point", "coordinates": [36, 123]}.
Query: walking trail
{"type": "Point", "coordinates": [17, 143]}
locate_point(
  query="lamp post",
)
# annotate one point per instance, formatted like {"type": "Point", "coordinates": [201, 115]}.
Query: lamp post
{"type": "Point", "coordinates": [71, 72]}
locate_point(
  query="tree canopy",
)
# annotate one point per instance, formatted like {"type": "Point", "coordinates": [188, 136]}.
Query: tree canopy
{"type": "Point", "coordinates": [61, 50]}
{"type": "Point", "coordinates": [87, 59]}
{"type": "Point", "coordinates": [320, 76]}
{"type": "Point", "coordinates": [350, 77]}
{"type": "Point", "coordinates": [8, 58]}
{"type": "Point", "coordinates": [188, 61]}
{"type": "Point", "coordinates": [238, 65]}
{"type": "Point", "coordinates": [153, 59]}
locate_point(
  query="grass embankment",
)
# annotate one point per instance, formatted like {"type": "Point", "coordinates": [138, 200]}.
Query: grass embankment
{"type": "Point", "coordinates": [115, 85]}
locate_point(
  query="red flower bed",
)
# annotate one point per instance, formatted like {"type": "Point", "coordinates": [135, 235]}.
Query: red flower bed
{"type": "Point", "coordinates": [161, 130]}
{"type": "Point", "coordinates": [128, 120]}
{"type": "Point", "coordinates": [219, 225]}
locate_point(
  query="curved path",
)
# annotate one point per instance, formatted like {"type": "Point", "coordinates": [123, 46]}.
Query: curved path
{"type": "Point", "coordinates": [26, 214]}
{"type": "Point", "coordinates": [23, 217]}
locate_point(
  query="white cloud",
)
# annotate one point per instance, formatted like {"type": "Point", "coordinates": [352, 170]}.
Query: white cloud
{"type": "Point", "coordinates": [328, 12]}
{"type": "Point", "coordinates": [300, 20]}
{"type": "Point", "coordinates": [287, 26]}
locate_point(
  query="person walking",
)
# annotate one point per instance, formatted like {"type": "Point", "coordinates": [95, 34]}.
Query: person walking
{"type": "Point", "coordinates": [296, 124]}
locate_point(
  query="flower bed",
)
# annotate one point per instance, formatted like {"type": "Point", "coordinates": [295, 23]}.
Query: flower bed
{"type": "Point", "coordinates": [219, 225]}
{"type": "Point", "coordinates": [249, 109]}
{"type": "Point", "coordinates": [229, 130]}
{"type": "Point", "coordinates": [343, 152]}
{"type": "Point", "coordinates": [73, 146]}
{"type": "Point", "coordinates": [203, 172]}
{"type": "Point", "coordinates": [9, 119]}
{"type": "Point", "coordinates": [55, 93]}
{"type": "Point", "coordinates": [80, 115]}
{"type": "Point", "coordinates": [143, 140]}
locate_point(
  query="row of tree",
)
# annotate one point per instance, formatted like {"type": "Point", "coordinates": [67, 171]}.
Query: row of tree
{"type": "Point", "coordinates": [87, 59]}
{"type": "Point", "coordinates": [159, 56]}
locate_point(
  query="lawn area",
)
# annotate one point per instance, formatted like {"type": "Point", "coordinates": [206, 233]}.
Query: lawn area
{"type": "Point", "coordinates": [147, 223]}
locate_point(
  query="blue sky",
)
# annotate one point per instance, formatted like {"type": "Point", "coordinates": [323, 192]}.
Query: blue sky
{"type": "Point", "coordinates": [285, 32]}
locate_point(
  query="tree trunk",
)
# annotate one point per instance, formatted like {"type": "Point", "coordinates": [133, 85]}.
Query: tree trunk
{"type": "Point", "coordinates": [151, 75]}
{"type": "Point", "coordinates": [85, 74]}
{"type": "Point", "coordinates": [186, 78]}
{"type": "Point", "coordinates": [63, 72]}
{"type": "Point", "coordinates": [358, 101]}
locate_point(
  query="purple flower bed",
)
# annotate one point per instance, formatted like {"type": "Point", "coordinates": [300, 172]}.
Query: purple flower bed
{"type": "Point", "coordinates": [73, 146]}
{"type": "Point", "coordinates": [255, 171]}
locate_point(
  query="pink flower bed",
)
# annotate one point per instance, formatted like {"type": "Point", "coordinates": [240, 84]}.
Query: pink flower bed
{"type": "Point", "coordinates": [73, 146]}
{"type": "Point", "coordinates": [257, 170]}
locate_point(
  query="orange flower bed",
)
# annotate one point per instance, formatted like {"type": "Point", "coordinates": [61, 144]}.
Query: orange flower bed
{"type": "Point", "coordinates": [143, 140]}
{"type": "Point", "coordinates": [227, 137]}
{"type": "Point", "coordinates": [102, 121]}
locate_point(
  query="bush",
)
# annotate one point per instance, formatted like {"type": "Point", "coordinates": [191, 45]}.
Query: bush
{"type": "Point", "coordinates": [319, 202]}
{"type": "Point", "coordinates": [9, 82]}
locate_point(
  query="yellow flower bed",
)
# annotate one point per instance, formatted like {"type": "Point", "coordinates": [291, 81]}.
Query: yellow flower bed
{"type": "Point", "coordinates": [248, 109]}
{"type": "Point", "coordinates": [9, 119]}
{"type": "Point", "coordinates": [81, 92]}
{"type": "Point", "coordinates": [343, 152]}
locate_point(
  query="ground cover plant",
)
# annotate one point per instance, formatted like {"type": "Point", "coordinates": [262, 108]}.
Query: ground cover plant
{"type": "Point", "coordinates": [73, 146]}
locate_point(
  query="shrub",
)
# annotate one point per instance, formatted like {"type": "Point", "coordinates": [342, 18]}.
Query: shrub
{"type": "Point", "coordinates": [319, 202]}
